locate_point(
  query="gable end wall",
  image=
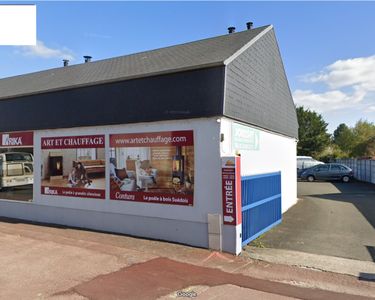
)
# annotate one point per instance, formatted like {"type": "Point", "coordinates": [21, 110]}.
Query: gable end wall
{"type": "Point", "coordinates": [257, 90]}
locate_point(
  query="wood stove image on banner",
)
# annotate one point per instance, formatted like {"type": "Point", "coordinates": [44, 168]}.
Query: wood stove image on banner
{"type": "Point", "coordinates": [55, 166]}
{"type": "Point", "coordinates": [178, 167]}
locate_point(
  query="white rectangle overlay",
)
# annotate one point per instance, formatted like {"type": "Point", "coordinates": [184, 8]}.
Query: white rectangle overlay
{"type": "Point", "coordinates": [17, 25]}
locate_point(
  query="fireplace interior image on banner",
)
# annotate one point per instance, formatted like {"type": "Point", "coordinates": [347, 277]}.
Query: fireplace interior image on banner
{"type": "Point", "coordinates": [75, 172]}
{"type": "Point", "coordinates": [16, 166]}
{"type": "Point", "coordinates": [158, 169]}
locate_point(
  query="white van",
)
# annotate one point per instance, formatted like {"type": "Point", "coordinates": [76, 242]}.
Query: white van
{"type": "Point", "coordinates": [16, 169]}
{"type": "Point", "coordinates": [305, 162]}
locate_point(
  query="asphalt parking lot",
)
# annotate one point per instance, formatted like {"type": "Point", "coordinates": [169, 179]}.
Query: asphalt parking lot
{"type": "Point", "coordinates": [331, 218]}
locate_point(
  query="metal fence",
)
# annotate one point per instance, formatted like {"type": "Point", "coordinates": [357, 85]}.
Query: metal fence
{"type": "Point", "coordinates": [261, 204]}
{"type": "Point", "coordinates": [363, 169]}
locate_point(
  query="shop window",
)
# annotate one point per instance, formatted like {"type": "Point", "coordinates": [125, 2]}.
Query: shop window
{"type": "Point", "coordinates": [16, 166]}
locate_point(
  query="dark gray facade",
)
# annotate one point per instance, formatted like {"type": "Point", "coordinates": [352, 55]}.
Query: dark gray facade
{"type": "Point", "coordinates": [184, 95]}
{"type": "Point", "coordinates": [257, 90]}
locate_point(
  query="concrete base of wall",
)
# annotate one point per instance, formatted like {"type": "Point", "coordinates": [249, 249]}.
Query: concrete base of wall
{"type": "Point", "coordinates": [191, 233]}
{"type": "Point", "coordinates": [232, 239]}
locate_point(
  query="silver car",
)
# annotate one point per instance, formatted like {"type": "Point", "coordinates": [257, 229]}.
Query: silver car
{"type": "Point", "coordinates": [328, 172]}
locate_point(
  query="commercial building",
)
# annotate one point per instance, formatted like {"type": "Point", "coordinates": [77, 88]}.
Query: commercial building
{"type": "Point", "coordinates": [141, 144]}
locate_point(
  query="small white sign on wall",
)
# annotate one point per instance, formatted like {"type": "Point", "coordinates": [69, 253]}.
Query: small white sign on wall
{"type": "Point", "coordinates": [244, 137]}
{"type": "Point", "coordinates": [17, 25]}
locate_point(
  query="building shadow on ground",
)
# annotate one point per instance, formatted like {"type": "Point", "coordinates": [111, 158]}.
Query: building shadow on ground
{"type": "Point", "coordinates": [362, 197]}
{"type": "Point", "coordinates": [366, 277]}
{"type": "Point", "coordinates": [371, 250]}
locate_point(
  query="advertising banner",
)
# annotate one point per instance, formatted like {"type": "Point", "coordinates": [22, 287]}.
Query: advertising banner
{"type": "Point", "coordinates": [17, 139]}
{"type": "Point", "coordinates": [73, 166]}
{"type": "Point", "coordinates": [231, 188]}
{"type": "Point", "coordinates": [155, 167]}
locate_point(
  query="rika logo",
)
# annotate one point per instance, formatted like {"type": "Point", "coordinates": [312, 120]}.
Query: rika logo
{"type": "Point", "coordinates": [48, 191]}
{"type": "Point", "coordinates": [11, 141]}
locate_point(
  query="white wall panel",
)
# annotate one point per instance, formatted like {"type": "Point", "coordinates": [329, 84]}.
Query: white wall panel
{"type": "Point", "coordinates": [275, 153]}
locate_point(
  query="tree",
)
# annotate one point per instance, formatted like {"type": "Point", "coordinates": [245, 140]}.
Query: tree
{"type": "Point", "coordinates": [370, 147]}
{"type": "Point", "coordinates": [364, 134]}
{"type": "Point", "coordinates": [364, 130]}
{"type": "Point", "coordinates": [343, 137]}
{"type": "Point", "coordinates": [357, 141]}
{"type": "Point", "coordinates": [312, 132]}
{"type": "Point", "coordinates": [330, 153]}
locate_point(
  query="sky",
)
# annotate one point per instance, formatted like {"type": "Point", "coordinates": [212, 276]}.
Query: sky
{"type": "Point", "coordinates": [328, 48]}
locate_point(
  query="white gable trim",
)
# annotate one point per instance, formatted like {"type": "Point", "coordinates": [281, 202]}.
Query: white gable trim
{"type": "Point", "coordinates": [244, 48]}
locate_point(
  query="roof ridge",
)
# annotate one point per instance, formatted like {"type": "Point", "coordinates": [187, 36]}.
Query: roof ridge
{"type": "Point", "coordinates": [192, 42]}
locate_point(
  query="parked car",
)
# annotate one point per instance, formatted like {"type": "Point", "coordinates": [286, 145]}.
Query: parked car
{"type": "Point", "coordinates": [328, 172]}
{"type": "Point", "coordinates": [305, 162]}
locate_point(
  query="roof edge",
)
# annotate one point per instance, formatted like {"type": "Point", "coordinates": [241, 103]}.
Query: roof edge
{"type": "Point", "coordinates": [246, 46]}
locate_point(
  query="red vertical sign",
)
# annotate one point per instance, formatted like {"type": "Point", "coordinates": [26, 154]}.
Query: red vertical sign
{"type": "Point", "coordinates": [238, 191]}
{"type": "Point", "coordinates": [231, 188]}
